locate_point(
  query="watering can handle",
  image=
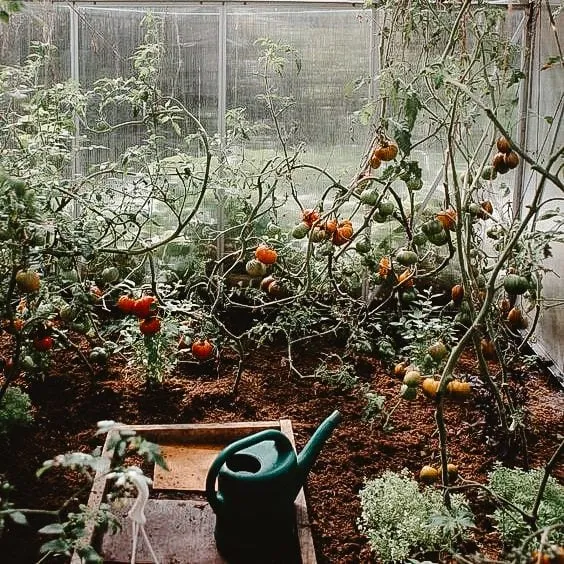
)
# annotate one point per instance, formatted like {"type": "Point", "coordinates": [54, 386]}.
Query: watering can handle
{"type": "Point", "coordinates": [281, 440]}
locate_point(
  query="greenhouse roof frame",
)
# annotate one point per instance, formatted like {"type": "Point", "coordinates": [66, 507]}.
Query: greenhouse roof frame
{"type": "Point", "coordinates": [343, 3]}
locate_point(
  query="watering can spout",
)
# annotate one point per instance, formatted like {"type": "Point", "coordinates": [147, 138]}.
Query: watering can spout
{"type": "Point", "coordinates": [310, 452]}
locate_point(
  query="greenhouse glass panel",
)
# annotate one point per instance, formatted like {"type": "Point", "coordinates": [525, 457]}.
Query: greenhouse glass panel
{"type": "Point", "coordinates": [44, 25]}
{"type": "Point", "coordinates": [545, 137]}
{"type": "Point", "coordinates": [188, 69]}
{"type": "Point", "coordinates": [317, 56]}
{"type": "Point", "coordinates": [175, 50]}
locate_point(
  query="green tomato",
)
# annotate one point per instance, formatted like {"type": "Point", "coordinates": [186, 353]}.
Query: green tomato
{"type": "Point", "coordinates": [409, 296]}
{"type": "Point", "coordinates": [406, 257]}
{"type": "Point", "coordinates": [363, 246]}
{"type": "Point", "coordinates": [439, 239]}
{"type": "Point", "coordinates": [255, 268]}
{"type": "Point", "coordinates": [408, 392]}
{"type": "Point", "coordinates": [386, 208]}
{"type": "Point", "coordinates": [273, 229]}
{"type": "Point", "coordinates": [489, 173]}
{"type": "Point", "coordinates": [99, 355]}
{"type": "Point", "coordinates": [300, 230]}
{"type": "Point", "coordinates": [110, 274]}
{"type": "Point", "coordinates": [369, 196]}
{"type": "Point", "coordinates": [27, 363]}
{"type": "Point", "coordinates": [414, 184]}
{"type": "Point", "coordinates": [432, 227]}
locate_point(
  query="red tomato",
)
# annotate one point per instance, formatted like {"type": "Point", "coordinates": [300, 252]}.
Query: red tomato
{"type": "Point", "coordinates": [202, 349]}
{"type": "Point", "coordinates": [150, 326]}
{"type": "Point", "coordinates": [126, 304]}
{"type": "Point", "coordinates": [43, 344]}
{"type": "Point", "coordinates": [145, 306]}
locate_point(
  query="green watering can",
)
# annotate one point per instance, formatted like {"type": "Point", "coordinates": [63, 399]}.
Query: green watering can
{"type": "Point", "coordinates": [258, 479]}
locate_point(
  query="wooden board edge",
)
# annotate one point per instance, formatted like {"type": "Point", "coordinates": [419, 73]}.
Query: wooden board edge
{"type": "Point", "coordinates": [97, 492]}
{"type": "Point", "coordinates": [305, 540]}
{"type": "Point", "coordinates": [200, 432]}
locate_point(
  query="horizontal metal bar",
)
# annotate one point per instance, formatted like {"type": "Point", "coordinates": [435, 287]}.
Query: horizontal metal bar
{"type": "Point", "coordinates": [344, 3]}
{"type": "Point", "coordinates": [353, 3]}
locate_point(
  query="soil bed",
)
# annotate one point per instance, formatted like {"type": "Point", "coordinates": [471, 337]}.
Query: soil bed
{"type": "Point", "coordinates": [69, 403]}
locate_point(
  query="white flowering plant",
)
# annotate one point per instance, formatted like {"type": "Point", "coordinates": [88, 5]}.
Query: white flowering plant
{"type": "Point", "coordinates": [400, 520]}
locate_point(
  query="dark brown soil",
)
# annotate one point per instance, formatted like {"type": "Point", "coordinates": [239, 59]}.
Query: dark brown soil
{"type": "Point", "coordinates": [69, 402]}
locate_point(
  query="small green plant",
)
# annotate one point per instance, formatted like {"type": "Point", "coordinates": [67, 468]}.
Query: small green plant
{"type": "Point", "coordinates": [71, 535]}
{"type": "Point", "coordinates": [69, 531]}
{"type": "Point", "coordinates": [400, 520]}
{"type": "Point", "coordinates": [420, 326]}
{"type": "Point", "coordinates": [520, 489]}
{"type": "Point", "coordinates": [7, 507]}
{"type": "Point", "coordinates": [15, 410]}
{"type": "Point", "coordinates": [153, 350]}
{"type": "Point", "coordinates": [374, 406]}
{"type": "Point", "coordinates": [337, 373]}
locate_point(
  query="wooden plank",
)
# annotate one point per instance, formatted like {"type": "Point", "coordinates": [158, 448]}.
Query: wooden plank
{"type": "Point", "coordinates": [200, 432]}
{"type": "Point", "coordinates": [97, 492]}
{"type": "Point", "coordinates": [179, 531]}
{"type": "Point", "coordinates": [305, 540]}
{"type": "Point", "coordinates": [188, 466]}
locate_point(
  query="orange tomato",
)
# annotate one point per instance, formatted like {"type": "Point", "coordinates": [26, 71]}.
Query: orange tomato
{"type": "Point", "coordinates": [202, 349]}
{"type": "Point", "coordinates": [145, 307]}
{"type": "Point", "coordinates": [266, 254]}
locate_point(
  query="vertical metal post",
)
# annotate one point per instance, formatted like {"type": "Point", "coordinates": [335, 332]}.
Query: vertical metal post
{"type": "Point", "coordinates": [222, 73]}
{"type": "Point", "coordinates": [221, 110]}
{"type": "Point", "coordinates": [374, 65]}
{"type": "Point", "coordinates": [374, 55]}
{"type": "Point", "coordinates": [75, 77]}
{"type": "Point", "coordinates": [529, 40]}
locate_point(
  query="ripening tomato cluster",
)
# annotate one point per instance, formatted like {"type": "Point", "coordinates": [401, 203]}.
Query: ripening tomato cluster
{"type": "Point", "coordinates": [145, 308]}
{"type": "Point", "coordinates": [264, 257]}
{"type": "Point", "coordinates": [339, 232]}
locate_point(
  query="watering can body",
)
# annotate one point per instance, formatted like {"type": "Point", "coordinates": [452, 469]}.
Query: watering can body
{"type": "Point", "coordinates": [258, 479]}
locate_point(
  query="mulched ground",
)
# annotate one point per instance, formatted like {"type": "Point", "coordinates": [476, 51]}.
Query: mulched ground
{"type": "Point", "coordinates": [69, 403]}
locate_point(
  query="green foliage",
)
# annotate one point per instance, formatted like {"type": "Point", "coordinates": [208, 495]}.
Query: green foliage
{"type": "Point", "coordinates": [70, 530]}
{"type": "Point", "coordinates": [520, 488]}
{"type": "Point", "coordinates": [421, 325]}
{"type": "Point", "coordinates": [70, 535]}
{"type": "Point", "coordinates": [8, 509]}
{"type": "Point", "coordinates": [297, 319]}
{"type": "Point", "coordinates": [337, 373]}
{"type": "Point", "coordinates": [276, 54]}
{"type": "Point", "coordinates": [374, 406]}
{"type": "Point", "coordinates": [400, 520]}
{"type": "Point", "coordinates": [15, 410]}
{"type": "Point", "coordinates": [8, 8]}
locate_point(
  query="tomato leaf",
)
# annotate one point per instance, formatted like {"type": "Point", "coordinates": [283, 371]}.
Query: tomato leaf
{"type": "Point", "coordinates": [52, 529]}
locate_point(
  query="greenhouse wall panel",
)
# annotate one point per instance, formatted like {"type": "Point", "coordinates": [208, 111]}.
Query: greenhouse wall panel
{"type": "Point", "coordinates": [545, 136]}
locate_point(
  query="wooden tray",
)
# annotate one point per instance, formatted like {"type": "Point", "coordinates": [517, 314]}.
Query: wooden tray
{"type": "Point", "coordinates": [180, 526]}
